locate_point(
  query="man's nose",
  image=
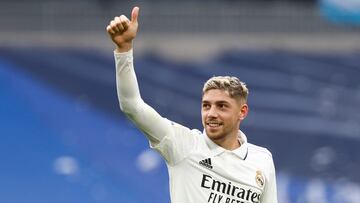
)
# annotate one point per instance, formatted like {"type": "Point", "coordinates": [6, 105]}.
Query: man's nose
{"type": "Point", "coordinates": [212, 112]}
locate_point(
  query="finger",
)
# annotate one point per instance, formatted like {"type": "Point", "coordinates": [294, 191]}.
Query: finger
{"type": "Point", "coordinates": [124, 21]}
{"type": "Point", "coordinates": [110, 30]}
{"type": "Point", "coordinates": [113, 26]}
{"type": "Point", "coordinates": [118, 24]}
{"type": "Point", "coordinates": [135, 14]}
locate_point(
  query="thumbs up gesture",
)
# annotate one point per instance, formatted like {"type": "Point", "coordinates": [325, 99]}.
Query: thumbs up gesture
{"type": "Point", "coordinates": [122, 31]}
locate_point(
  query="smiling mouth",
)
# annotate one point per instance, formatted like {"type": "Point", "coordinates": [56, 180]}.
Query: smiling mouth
{"type": "Point", "coordinates": [214, 124]}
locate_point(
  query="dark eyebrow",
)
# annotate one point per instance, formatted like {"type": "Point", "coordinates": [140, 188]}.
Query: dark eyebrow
{"type": "Point", "coordinates": [222, 102]}
{"type": "Point", "coordinates": [216, 102]}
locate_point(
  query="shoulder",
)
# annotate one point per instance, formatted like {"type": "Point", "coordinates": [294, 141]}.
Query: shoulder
{"type": "Point", "coordinates": [196, 132]}
{"type": "Point", "coordinates": [183, 132]}
{"type": "Point", "coordinates": [260, 152]}
{"type": "Point", "coordinates": [183, 129]}
{"type": "Point", "coordinates": [261, 157]}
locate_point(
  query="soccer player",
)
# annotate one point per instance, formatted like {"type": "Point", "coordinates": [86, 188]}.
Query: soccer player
{"type": "Point", "coordinates": [216, 165]}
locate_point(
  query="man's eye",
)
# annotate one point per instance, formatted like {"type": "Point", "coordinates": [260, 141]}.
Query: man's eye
{"type": "Point", "coordinates": [205, 106]}
{"type": "Point", "coordinates": [222, 106]}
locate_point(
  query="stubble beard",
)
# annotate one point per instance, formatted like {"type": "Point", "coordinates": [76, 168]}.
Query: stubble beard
{"type": "Point", "coordinates": [220, 134]}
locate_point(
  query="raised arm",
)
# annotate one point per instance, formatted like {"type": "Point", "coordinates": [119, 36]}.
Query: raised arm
{"type": "Point", "coordinates": [122, 32]}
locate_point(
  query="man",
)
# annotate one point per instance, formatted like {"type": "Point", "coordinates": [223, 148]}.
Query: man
{"type": "Point", "coordinates": [216, 165]}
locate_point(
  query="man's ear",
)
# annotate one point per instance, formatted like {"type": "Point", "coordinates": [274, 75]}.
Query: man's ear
{"type": "Point", "coordinates": [244, 110]}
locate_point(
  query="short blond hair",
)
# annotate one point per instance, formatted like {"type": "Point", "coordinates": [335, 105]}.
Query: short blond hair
{"type": "Point", "coordinates": [235, 87]}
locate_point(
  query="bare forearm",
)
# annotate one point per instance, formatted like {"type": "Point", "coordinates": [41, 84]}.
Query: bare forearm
{"type": "Point", "coordinates": [125, 47]}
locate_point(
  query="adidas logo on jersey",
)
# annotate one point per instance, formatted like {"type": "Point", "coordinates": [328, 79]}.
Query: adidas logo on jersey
{"type": "Point", "coordinates": [206, 163]}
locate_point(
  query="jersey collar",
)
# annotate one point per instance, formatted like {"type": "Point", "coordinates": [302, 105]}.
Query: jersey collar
{"type": "Point", "coordinates": [241, 152]}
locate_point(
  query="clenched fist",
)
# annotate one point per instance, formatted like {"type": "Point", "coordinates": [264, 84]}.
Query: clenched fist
{"type": "Point", "coordinates": [122, 31]}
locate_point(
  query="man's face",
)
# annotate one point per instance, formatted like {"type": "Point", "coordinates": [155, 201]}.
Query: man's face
{"type": "Point", "coordinates": [221, 114]}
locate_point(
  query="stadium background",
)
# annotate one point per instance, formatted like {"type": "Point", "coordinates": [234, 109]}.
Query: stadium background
{"type": "Point", "coordinates": [63, 138]}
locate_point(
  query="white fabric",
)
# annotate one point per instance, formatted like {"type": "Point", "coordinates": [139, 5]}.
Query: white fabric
{"type": "Point", "coordinates": [199, 170]}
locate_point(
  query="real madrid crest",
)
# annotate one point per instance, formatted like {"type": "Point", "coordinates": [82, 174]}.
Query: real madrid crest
{"type": "Point", "coordinates": [259, 178]}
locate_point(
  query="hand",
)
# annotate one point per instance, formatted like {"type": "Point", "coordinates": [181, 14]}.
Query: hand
{"type": "Point", "coordinates": [122, 31]}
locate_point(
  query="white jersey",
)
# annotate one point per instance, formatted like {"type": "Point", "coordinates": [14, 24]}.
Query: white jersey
{"type": "Point", "coordinates": [200, 171]}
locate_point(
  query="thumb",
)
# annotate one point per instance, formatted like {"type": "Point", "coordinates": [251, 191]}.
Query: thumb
{"type": "Point", "coordinates": [135, 14]}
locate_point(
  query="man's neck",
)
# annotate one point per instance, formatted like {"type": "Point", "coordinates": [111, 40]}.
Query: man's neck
{"type": "Point", "coordinates": [229, 142]}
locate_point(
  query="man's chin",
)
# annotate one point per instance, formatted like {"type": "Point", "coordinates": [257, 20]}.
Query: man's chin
{"type": "Point", "coordinates": [212, 133]}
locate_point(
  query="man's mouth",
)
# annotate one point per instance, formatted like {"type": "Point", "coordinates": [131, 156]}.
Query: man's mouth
{"type": "Point", "coordinates": [213, 124]}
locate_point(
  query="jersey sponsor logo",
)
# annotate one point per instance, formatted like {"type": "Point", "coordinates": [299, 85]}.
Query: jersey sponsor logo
{"type": "Point", "coordinates": [206, 163]}
{"type": "Point", "coordinates": [259, 178]}
{"type": "Point", "coordinates": [226, 192]}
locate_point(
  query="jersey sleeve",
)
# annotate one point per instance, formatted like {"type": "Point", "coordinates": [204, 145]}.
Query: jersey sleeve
{"type": "Point", "coordinates": [178, 144]}
{"type": "Point", "coordinates": [173, 141]}
{"type": "Point", "coordinates": [270, 192]}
